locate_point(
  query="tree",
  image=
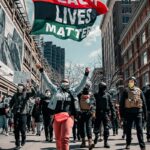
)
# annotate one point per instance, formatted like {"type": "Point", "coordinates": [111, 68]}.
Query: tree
{"type": "Point", "coordinates": [74, 73]}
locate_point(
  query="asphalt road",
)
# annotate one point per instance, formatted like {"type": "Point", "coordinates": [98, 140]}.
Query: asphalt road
{"type": "Point", "coordinates": [38, 143]}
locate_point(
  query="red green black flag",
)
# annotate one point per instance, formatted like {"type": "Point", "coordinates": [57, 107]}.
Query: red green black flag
{"type": "Point", "coordinates": [66, 19]}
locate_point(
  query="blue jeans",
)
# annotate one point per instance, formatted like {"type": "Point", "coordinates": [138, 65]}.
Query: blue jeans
{"type": "Point", "coordinates": [3, 122]}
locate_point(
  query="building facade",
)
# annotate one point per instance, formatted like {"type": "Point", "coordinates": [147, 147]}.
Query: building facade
{"type": "Point", "coordinates": [56, 57]}
{"type": "Point", "coordinates": [135, 45]}
{"type": "Point", "coordinates": [18, 50]}
{"type": "Point", "coordinates": [111, 27]}
{"type": "Point", "coordinates": [97, 77]}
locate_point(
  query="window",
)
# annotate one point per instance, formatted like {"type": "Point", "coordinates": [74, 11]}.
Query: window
{"type": "Point", "coordinates": [126, 10]}
{"type": "Point", "coordinates": [145, 78]}
{"type": "Point", "coordinates": [135, 46]}
{"type": "Point", "coordinates": [130, 53]}
{"type": "Point", "coordinates": [131, 70]}
{"type": "Point", "coordinates": [143, 37]}
{"type": "Point", "coordinates": [125, 19]}
{"type": "Point", "coordinates": [126, 1]}
{"type": "Point", "coordinates": [125, 58]}
{"type": "Point", "coordinates": [126, 73]}
{"type": "Point", "coordinates": [136, 65]}
{"type": "Point", "coordinates": [144, 59]}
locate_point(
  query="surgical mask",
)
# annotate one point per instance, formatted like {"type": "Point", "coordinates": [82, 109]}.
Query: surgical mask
{"type": "Point", "coordinates": [47, 94]}
{"type": "Point", "coordinates": [65, 85]}
{"type": "Point", "coordinates": [131, 85]}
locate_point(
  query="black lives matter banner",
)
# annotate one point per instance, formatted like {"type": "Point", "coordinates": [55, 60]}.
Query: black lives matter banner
{"type": "Point", "coordinates": [66, 19]}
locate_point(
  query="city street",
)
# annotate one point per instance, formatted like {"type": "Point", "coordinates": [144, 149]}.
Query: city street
{"type": "Point", "coordinates": [37, 143]}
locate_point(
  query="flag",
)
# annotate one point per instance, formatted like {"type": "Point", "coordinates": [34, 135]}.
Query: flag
{"type": "Point", "coordinates": [66, 19]}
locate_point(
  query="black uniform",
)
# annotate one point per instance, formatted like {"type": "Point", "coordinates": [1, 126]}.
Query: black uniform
{"type": "Point", "coordinates": [47, 117]}
{"type": "Point", "coordinates": [132, 107]}
{"type": "Point", "coordinates": [19, 106]}
{"type": "Point", "coordinates": [146, 91]}
{"type": "Point", "coordinates": [103, 108]}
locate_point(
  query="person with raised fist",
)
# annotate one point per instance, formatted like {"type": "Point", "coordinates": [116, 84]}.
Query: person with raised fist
{"type": "Point", "coordinates": [65, 105]}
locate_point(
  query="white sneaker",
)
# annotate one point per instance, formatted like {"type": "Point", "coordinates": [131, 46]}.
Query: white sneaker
{"type": "Point", "coordinates": [7, 134]}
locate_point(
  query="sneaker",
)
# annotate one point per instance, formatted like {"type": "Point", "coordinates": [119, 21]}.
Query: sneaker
{"type": "Point", "coordinates": [7, 134]}
{"type": "Point", "coordinates": [91, 146]}
{"type": "Point", "coordinates": [128, 147]}
{"type": "Point", "coordinates": [51, 140]}
{"type": "Point", "coordinates": [23, 143]}
{"type": "Point", "coordinates": [106, 145]}
{"type": "Point", "coordinates": [17, 147]}
{"type": "Point", "coordinates": [83, 145]}
{"type": "Point", "coordinates": [74, 141]}
{"type": "Point", "coordinates": [96, 140]}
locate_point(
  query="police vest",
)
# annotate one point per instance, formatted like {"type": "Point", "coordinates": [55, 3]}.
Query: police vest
{"type": "Point", "coordinates": [85, 102]}
{"type": "Point", "coordinates": [134, 99]}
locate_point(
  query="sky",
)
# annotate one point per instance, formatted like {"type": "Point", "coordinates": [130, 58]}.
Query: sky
{"type": "Point", "coordinates": [85, 53]}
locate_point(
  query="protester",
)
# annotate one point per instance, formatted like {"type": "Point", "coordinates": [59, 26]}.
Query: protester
{"type": "Point", "coordinates": [19, 107]}
{"type": "Point", "coordinates": [87, 105]}
{"type": "Point", "coordinates": [4, 109]}
{"type": "Point", "coordinates": [47, 116]}
{"type": "Point", "coordinates": [132, 108]}
{"type": "Point", "coordinates": [66, 105]}
{"type": "Point", "coordinates": [103, 107]}
{"type": "Point", "coordinates": [37, 115]}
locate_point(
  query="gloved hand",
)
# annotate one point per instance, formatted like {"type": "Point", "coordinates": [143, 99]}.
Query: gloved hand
{"type": "Point", "coordinates": [38, 66]}
{"type": "Point", "coordinates": [41, 70]}
{"type": "Point", "coordinates": [87, 70]}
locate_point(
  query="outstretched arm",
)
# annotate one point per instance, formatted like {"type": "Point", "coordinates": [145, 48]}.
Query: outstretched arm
{"type": "Point", "coordinates": [49, 82]}
{"type": "Point", "coordinates": [79, 88]}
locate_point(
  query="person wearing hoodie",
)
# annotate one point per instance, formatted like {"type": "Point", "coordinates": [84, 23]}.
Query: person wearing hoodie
{"type": "Point", "coordinates": [47, 116]}
{"type": "Point", "coordinates": [103, 108]}
{"type": "Point", "coordinates": [65, 104]}
{"type": "Point", "coordinates": [19, 108]}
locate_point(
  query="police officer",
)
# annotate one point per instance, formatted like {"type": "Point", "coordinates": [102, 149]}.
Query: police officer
{"type": "Point", "coordinates": [19, 107]}
{"type": "Point", "coordinates": [47, 116]}
{"type": "Point", "coordinates": [103, 107]}
{"type": "Point", "coordinates": [132, 107]}
{"type": "Point", "coordinates": [87, 105]}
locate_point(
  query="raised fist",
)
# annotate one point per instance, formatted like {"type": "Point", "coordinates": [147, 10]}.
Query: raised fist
{"type": "Point", "coordinates": [38, 66]}
{"type": "Point", "coordinates": [41, 70]}
{"type": "Point", "coordinates": [87, 70]}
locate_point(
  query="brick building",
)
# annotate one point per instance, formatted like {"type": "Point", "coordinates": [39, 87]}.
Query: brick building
{"type": "Point", "coordinates": [111, 27]}
{"type": "Point", "coordinates": [135, 45]}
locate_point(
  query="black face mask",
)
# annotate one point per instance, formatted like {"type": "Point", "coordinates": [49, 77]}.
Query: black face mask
{"type": "Point", "coordinates": [102, 89]}
{"type": "Point", "coordinates": [85, 91]}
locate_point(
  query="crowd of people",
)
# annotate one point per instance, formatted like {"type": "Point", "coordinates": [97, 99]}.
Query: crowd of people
{"type": "Point", "coordinates": [62, 110]}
